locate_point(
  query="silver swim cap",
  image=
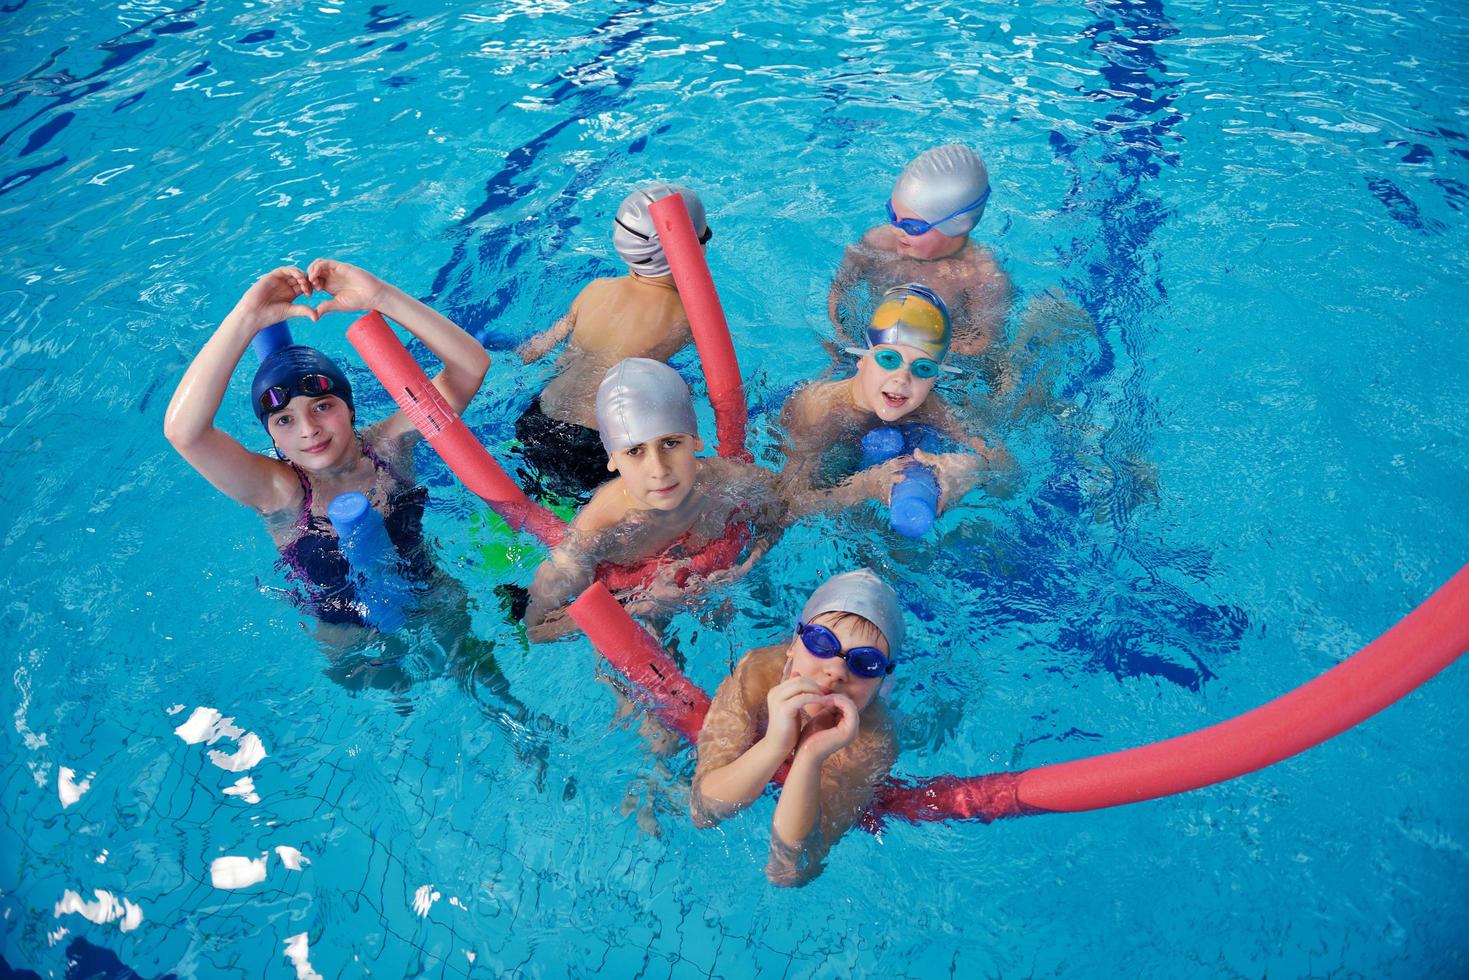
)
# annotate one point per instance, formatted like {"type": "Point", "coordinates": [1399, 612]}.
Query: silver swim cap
{"type": "Point", "coordinates": [942, 181]}
{"type": "Point", "coordinates": [641, 399]}
{"type": "Point", "coordinates": [914, 315]}
{"type": "Point", "coordinates": [634, 236]}
{"type": "Point", "coordinates": [863, 593]}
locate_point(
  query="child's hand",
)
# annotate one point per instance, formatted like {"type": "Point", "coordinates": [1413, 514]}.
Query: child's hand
{"type": "Point", "coordinates": [784, 704]}
{"type": "Point", "coordinates": [958, 473]}
{"type": "Point", "coordinates": [351, 288]}
{"type": "Point", "coordinates": [878, 481]}
{"type": "Point", "coordinates": [273, 299]}
{"type": "Point", "coordinates": [832, 730]}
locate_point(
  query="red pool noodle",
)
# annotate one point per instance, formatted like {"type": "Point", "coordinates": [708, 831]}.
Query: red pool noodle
{"type": "Point", "coordinates": [641, 659]}
{"type": "Point", "coordinates": [1420, 645]}
{"type": "Point", "coordinates": [719, 554]}
{"type": "Point", "coordinates": [1423, 643]}
{"type": "Point", "coordinates": [706, 321]}
{"type": "Point", "coordinates": [446, 431]}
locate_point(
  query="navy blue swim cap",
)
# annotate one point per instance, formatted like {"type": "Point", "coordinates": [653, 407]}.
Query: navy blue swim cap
{"type": "Point", "coordinates": [286, 367]}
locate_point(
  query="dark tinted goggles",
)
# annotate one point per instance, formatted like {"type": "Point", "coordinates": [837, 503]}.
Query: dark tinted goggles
{"type": "Point", "coordinates": [277, 397]}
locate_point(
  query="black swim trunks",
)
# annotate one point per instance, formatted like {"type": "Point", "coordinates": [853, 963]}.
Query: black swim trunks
{"type": "Point", "coordinates": [561, 458]}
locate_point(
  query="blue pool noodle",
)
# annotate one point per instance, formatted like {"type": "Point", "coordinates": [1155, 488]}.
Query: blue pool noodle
{"type": "Point", "coordinates": [364, 540]}
{"type": "Point", "coordinates": [271, 339]}
{"type": "Point", "coordinates": [914, 503]}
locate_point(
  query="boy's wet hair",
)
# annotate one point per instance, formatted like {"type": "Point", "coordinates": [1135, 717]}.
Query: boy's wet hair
{"type": "Point", "coordinates": [865, 628]}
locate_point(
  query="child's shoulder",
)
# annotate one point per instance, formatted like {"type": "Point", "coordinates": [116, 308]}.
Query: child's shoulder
{"type": "Point", "coordinates": [607, 507]}
{"type": "Point", "coordinates": [760, 670]}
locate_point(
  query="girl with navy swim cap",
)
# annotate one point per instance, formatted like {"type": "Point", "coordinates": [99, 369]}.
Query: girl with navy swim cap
{"type": "Point", "coordinates": [304, 401]}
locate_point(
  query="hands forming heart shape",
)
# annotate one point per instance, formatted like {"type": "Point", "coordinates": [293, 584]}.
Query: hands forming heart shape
{"type": "Point", "coordinates": [273, 297]}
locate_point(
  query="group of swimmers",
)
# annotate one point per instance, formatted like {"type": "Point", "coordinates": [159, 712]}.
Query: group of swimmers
{"type": "Point", "coordinates": [615, 434]}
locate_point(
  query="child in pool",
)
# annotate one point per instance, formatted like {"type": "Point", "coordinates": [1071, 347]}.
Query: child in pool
{"type": "Point", "coordinates": [305, 404]}
{"type": "Point", "coordinates": [636, 315]}
{"type": "Point", "coordinates": [662, 500]}
{"type": "Point", "coordinates": [937, 200]}
{"type": "Point", "coordinates": [812, 701]}
{"type": "Point", "coordinates": [907, 343]}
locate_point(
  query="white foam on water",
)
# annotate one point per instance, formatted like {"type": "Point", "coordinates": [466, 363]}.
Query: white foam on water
{"type": "Point", "coordinates": [291, 857]}
{"type": "Point", "coordinates": [244, 787]}
{"type": "Point", "coordinates": [68, 788]}
{"type": "Point", "coordinates": [297, 951]}
{"type": "Point", "coordinates": [103, 910]}
{"type": "Point", "coordinates": [424, 899]}
{"type": "Point", "coordinates": [237, 872]}
{"type": "Point", "coordinates": [102, 858]}
{"type": "Point", "coordinates": [206, 725]}
{"type": "Point", "coordinates": [174, 710]}
{"type": "Point", "coordinates": [247, 756]}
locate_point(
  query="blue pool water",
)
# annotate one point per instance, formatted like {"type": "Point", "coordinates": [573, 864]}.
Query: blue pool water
{"type": "Point", "coordinates": [1257, 463]}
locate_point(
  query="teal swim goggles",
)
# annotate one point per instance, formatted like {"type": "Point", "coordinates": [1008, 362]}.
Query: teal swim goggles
{"type": "Point", "coordinates": [917, 226]}
{"type": "Point", "coordinates": [922, 368]}
{"type": "Point", "coordinates": [861, 661]}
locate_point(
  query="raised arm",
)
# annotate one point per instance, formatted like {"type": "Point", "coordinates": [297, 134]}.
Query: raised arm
{"type": "Point", "coordinates": [736, 762]}
{"type": "Point", "coordinates": [465, 361]}
{"type": "Point", "coordinates": [248, 478]}
{"type": "Point", "coordinates": [831, 781]}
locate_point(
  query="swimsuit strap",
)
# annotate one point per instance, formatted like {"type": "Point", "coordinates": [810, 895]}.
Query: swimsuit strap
{"type": "Point", "coordinates": [304, 521]}
{"type": "Point", "coordinates": [382, 464]}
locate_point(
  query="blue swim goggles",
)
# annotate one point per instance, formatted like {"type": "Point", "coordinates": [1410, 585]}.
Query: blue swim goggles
{"type": "Point", "coordinates": [821, 642]}
{"type": "Point", "coordinates": [917, 226]}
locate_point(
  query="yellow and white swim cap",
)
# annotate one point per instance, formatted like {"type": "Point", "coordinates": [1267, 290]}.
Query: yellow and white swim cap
{"type": "Point", "coordinates": [915, 316]}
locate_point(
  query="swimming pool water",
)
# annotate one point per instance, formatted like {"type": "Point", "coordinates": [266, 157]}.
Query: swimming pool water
{"type": "Point", "coordinates": [1255, 464]}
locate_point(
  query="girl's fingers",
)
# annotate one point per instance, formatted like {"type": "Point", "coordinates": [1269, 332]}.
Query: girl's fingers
{"type": "Point", "coordinates": [298, 309]}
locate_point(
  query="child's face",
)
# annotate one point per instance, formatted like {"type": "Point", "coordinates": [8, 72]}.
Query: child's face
{"type": "Point", "coordinates": [658, 474]}
{"type": "Point", "coordinates": [314, 433]}
{"type": "Point", "coordinates": [831, 673]}
{"type": "Point", "coordinates": [932, 244]}
{"type": "Point", "coordinates": [890, 395]}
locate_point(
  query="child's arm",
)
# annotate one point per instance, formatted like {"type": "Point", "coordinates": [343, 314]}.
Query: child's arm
{"type": "Point", "coordinates": [830, 782]}
{"type": "Point", "coordinates": [563, 576]}
{"type": "Point", "coordinates": [856, 265]}
{"type": "Point", "coordinates": [248, 478]}
{"type": "Point", "coordinates": [465, 361]}
{"type": "Point", "coordinates": [987, 303]}
{"type": "Point", "coordinates": [544, 342]}
{"type": "Point", "coordinates": [991, 466]}
{"type": "Point", "coordinates": [734, 765]}
{"type": "Point", "coordinates": [801, 419]}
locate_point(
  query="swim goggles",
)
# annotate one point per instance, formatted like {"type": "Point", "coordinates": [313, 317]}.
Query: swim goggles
{"type": "Point", "coordinates": [277, 397]}
{"type": "Point", "coordinates": [862, 661]}
{"type": "Point", "coordinates": [917, 226]}
{"type": "Point", "coordinates": [703, 239]}
{"type": "Point", "coordinates": [923, 368]}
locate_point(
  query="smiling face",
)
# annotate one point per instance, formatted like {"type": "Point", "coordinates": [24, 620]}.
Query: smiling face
{"type": "Point", "coordinates": [314, 433]}
{"type": "Point", "coordinates": [831, 673]}
{"type": "Point", "coordinates": [891, 395]}
{"type": "Point", "coordinates": [658, 474]}
{"type": "Point", "coordinates": [932, 244]}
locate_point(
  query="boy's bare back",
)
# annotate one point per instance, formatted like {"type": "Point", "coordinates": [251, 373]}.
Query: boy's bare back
{"type": "Point", "coordinates": [612, 319]}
